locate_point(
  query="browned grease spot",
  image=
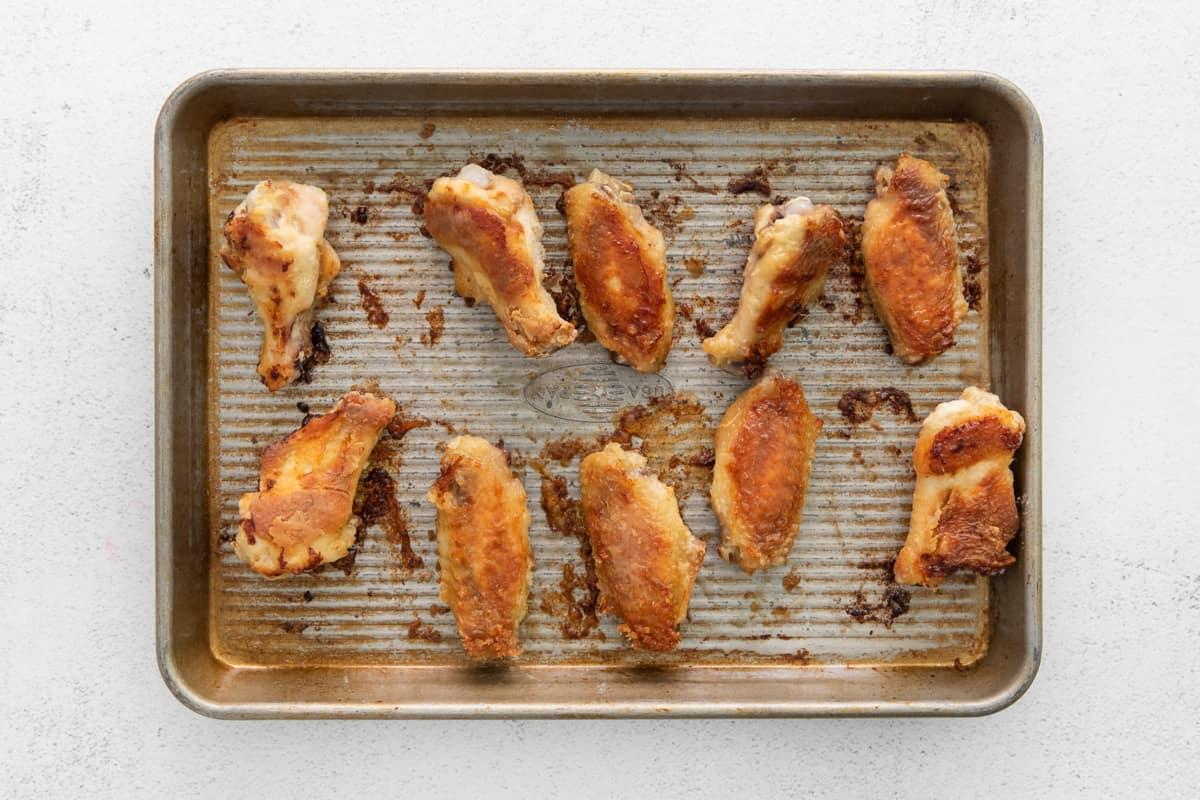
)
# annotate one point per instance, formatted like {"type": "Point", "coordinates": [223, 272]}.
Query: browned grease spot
{"type": "Point", "coordinates": [562, 288]}
{"type": "Point", "coordinates": [427, 130]}
{"type": "Point", "coordinates": [892, 604]}
{"type": "Point", "coordinates": [973, 293]}
{"type": "Point", "coordinates": [420, 298]}
{"type": "Point", "coordinates": [293, 627]}
{"type": "Point", "coordinates": [667, 213]}
{"type": "Point", "coordinates": [437, 609]}
{"type": "Point", "coordinates": [859, 405]}
{"type": "Point", "coordinates": [847, 276]}
{"type": "Point", "coordinates": [376, 314]}
{"type": "Point", "coordinates": [576, 595]}
{"type": "Point", "coordinates": [694, 265]}
{"type": "Point", "coordinates": [497, 163]}
{"type": "Point", "coordinates": [801, 657]}
{"type": "Point", "coordinates": [756, 181]}
{"type": "Point", "coordinates": [682, 174]}
{"type": "Point", "coordinates": [676, 438]}
{"type": "Point", "coordinates": [566, 449]}
{"type": "Point", "coordinates": [791, 580]}
{"type": "Point", "coordinates": [437, 325]}
{"type": "Point", "coordinates": [419, 630]}
{"type": "Point", "coordinates": [379, 505]}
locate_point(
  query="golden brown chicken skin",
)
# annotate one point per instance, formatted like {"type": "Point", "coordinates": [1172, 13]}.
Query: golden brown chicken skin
{"type": "Point", "coordinates": [275, 241]}
{"type": "Point", "coordinates": [620, 271]}
{"type": "Point", "coordinates": [483, 546]}
{"type": "Point", "coordinates": [488, 226]}
{"type": "Point", "coordinates": [764, 454]}
{"type": "Point", "coordinates": [910, 250]}
{"type": "Point", "coordinates": [795, 244]}
{"type": "Point", "coordinates": [302, 514]}
{"type": "Point", "coordinates": [964, 510]}
{"type": "Point", "coordinates": [646, 558]}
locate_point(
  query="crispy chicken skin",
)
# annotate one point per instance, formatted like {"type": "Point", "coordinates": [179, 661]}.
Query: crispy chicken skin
{"type": "Point", "coordinates": [910, 250]}
{"type": "Point", "coordinates": [483, 546]}
{"type": "Point", "coordinates": [646, 558]}
{"type": "Point", "coordinates": [301, 516]}
{"type": "Point", "coordinates": [621, 272]}
{"type": "Point", "coordinates": [275, 241]}
{"type": "Point", "coordinates": [964, 511]}
{"type": "Point", "coordinates": [764, 449]}
{"type": "Point", "coordinates": [795, 243]}
{"type": "Point", "coordinates": [488, 226]}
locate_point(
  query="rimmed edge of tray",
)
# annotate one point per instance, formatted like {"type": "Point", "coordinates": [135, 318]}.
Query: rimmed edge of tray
{"type": "Point", "coordinates": [189, 112]}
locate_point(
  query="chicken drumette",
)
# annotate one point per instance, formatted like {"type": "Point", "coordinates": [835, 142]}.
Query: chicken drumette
{"type": "Point", "coordinates": [275, 241]}
{"type": "Point", "coordinates": [795, 244]}
{"type": "Point", "coordinates": [487, 224]}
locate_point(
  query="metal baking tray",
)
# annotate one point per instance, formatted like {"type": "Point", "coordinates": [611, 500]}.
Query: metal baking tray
{"type": "Point", "coordinates": [826, 634]}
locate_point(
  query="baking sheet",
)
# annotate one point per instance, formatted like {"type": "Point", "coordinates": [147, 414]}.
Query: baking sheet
{"type": "Point", "coordinates": [831, 606]}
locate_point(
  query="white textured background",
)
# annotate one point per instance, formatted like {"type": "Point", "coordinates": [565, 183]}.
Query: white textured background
{"type": "Point", "coordinates": [1115, 708]}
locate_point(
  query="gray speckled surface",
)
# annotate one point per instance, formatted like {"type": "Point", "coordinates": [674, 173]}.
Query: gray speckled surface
{"type": "Point", "coordinates": [1114, 708]}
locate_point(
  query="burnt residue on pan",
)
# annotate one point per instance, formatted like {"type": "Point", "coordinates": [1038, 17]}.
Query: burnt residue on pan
{"type": "Point", "coordinates": [667, 212]}
{"type": "Point", "coordinates": [561, 605]}
{"type": "Point", "coordinates": [859, 405]}
{"type": "Point", "coordinates": [422, 631]}
{"type": "Point", "coordinates": [558, 281]}
{"type": "Point", "coordinates": [972, 287]}
{"type": "Point", "coordinates": [573, 600]}
{"type": "Point", "coordinates": [891, 604]}
{"type": "Point", "coordinates": [682, 174]}
{"type": "Point", "coordinates": [320, 353]}
{"type": "Point", "coordinates": [436, 319]}
{"type": "Point", "coordinates": [499, 164]}
{"type": "Point", "coordinates": [757, 181]}
{"type": "Point", "coordinates": [379, 505]}
{"type": "Point", "coordinates": [377, 315]}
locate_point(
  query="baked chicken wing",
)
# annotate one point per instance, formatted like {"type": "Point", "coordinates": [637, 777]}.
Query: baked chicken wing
{"type": "Point", "coordinates": [646, 558]}
{"type": "Point", "coordinates": [487, 224]}
{"type": "Point", "coordinates": [275, 241]}
{"type": "Point", "coordinates": [964, 511]}
{"type": "Point", "coordinates": [795, 243]}
{"type": "Point", "coordinates": [302, 514]}
{"type": "Point", "coordinates": [483, 546]}
{"type": "Point", "coordinates": [621, 272]}
{"type": "Point", "coordinates": [764, 453]}
{"type": "Point", "coordinates": [910, 250]}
